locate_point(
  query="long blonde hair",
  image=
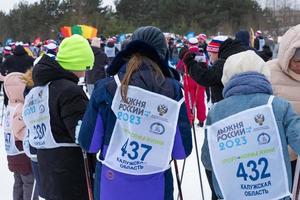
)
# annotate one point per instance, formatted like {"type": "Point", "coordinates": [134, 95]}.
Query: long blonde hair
{"type": "Point", "coordinates": [133, 65]}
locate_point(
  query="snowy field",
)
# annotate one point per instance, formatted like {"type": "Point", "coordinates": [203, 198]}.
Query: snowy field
{"type": "Point", "coordinates": [190, 185]}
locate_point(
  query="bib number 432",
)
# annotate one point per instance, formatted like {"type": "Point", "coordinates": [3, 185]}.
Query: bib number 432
{"type": "Point", "coordinates": [258, 170]}
{"type": "Point", "coordinates": [133, 150]}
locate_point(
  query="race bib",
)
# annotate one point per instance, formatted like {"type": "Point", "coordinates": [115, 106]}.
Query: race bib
{"type": "Point", "coordinates": [143, 136]}
{"type": "Point", "coordinates": [9, 138]}
{"type": "Point", "coordinates": [247, 157]}
{"type": "Point", "coordinates": [36, 116]}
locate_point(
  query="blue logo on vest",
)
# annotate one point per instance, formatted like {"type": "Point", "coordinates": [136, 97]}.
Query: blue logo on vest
{"type": "Point", "coordinates": [157, 128]}
{"type": "Point", "coordinates": [42, 108]}
{"type": "Point", "coordinates": [263, 138]}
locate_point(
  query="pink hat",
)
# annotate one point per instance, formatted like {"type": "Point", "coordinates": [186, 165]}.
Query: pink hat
{"type": "Point", "coordinates": [215, 44]}
{"type": "Point", "coordinates": [7, 50]}
{"type": "Point", "coordinates": [202, 36]}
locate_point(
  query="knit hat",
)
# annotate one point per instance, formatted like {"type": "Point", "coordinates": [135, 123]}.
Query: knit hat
{"type": "Point", "coordinates": [51, 46]}
{"type": "Point", "coordinates": [244, 37]}
{"type": "Point", "coordinates": [193, 41]}
{"type": "Point", "coordinates": [75, 54]}
{"type": "Point", "coordinates": [246, 61]}
{"type": "Point", "coordinates": [215, 44]}
{"type": "Point", "coordinates": [202, 36]}
{"type": "Point", "coordinates": [7, 50]}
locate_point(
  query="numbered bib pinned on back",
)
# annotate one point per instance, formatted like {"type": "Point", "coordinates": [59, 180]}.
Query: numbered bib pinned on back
{"type": "Point", "coordinates": [36, 116]}
{"type": "Point", "coordinates": [9, 138]}
{"type": "Point", "coordinates": [245, 150]}
{"type": "Point", "coordinates": [143, 136]}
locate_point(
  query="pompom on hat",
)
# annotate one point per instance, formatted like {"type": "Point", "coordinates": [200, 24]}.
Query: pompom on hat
{"type": "Point", "coordinates": [75, 54]}
{"type": "Point", "coordinates": [246, 61]}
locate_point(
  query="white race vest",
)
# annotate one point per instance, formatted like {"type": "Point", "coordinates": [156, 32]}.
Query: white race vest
{"type": "Point", "coordinates": [110, 51]}
{"type": "Point", "coordinates": [247, 157]}
{"type": "Point", "coordinates": [36, 116]}
{"type": "Point", "coordinates": [261, 44]}
{"type": "Point", "coordinates": [143, 136]}
{"type": "Point", "coordinates": [9, 138]}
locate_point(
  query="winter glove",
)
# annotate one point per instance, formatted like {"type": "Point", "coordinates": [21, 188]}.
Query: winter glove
{"type": "Point", "coordinates": [189, 58]}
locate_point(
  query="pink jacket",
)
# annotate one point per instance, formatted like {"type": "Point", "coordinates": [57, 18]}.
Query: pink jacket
{"type": "Point", "coordinates": [286, 83]}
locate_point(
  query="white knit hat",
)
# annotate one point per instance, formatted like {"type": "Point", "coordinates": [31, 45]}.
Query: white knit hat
{"type": "Point", "coordinates": [193, 41]}
{"type": "Point", "coordinates": [246, 61]}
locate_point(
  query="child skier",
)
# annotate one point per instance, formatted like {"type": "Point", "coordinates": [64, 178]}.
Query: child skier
{"type": "Point", "coordinates": [14, 130]}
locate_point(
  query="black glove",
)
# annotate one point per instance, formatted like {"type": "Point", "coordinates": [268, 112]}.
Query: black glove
{"type": "Point", "coordinates": [189, 58]}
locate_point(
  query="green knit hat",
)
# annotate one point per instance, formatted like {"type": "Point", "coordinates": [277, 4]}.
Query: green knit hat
{"type": "Point", "coordinates": [75, 54]}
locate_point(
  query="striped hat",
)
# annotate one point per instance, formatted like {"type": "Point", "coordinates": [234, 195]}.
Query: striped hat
{"type": "Point", "coordinates": [215, 43]}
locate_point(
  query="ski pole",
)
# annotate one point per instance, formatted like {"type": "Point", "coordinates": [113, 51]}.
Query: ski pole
{"type": "Point", "coordinates": [33, 189]}
{"type": "Point", "coordinates": [87, 175]}
{"type": "Point", "coordinates": [2, 110]}
{"type": "Point", "coordinates": [183, 166]}
{"type": "Point", "coordinates": [198, 161]}
{"type": "Point", "coordinates": [181, 177]}
{"type": "Point", "coordinates": [190, 105]}
{"type": "Point", "coordinates": [178, 180]}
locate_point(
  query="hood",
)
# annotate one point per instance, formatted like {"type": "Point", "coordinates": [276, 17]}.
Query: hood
{"type": "Point", "coordinates": [19, 51]}
{"type": "Point", "coordinates": [14, 87]}
{"type": "Point", "coordinates": [230, 47]}
{"type": "Point", "coordinates": [153, 37]}
{"type": "Point", "coordinates": [142, 48]}
{"type": "Point", "coordinates": [289, 43]}
{"type": "Point", "coordinates": [48, 69]}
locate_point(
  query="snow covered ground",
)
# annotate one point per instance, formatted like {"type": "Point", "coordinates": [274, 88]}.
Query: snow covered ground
{"type": "Point", "coordinates": [190, 185]}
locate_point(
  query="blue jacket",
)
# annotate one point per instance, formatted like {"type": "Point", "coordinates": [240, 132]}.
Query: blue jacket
{"type": "Point", "coordinates": [288, 123]}
{"type": "Point", "coordinates": [96, 131]}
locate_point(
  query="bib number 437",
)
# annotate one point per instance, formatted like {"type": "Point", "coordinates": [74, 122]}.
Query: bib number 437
{"type": "Point", "coordinates": [259, 170]}
{"type": "Point", "coordinates": [134, 150]}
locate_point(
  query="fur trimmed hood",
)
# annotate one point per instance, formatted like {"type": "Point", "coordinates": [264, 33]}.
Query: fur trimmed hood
{"type": "Point", "coordinates": [141, 47]}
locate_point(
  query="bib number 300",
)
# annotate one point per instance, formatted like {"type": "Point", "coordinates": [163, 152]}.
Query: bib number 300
{"type": "Point", "coordinates": [255, 172]}
{"type": "Point", "coordinates": [134, 151]}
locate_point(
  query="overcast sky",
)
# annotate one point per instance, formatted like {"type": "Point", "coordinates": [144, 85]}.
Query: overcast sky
{"type": "Point", "coordinates": [6, 5]}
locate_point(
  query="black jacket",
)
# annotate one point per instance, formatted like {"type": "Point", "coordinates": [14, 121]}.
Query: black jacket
{"type": "Point", "coordinates": [211, 77]}
{"type": "Point", "coordinates": [61, 169]}
{"type": "Point", "coordinates": [20, 61]}
{"type": "Point", "coordinates": [98, 71]}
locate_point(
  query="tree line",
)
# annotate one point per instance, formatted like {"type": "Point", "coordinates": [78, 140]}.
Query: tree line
{"type": "Point", "coordinates": [44, 18]}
